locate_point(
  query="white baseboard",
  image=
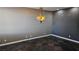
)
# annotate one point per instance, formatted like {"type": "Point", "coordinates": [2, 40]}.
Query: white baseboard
{"type": "Point", "coordinates": [64, 38]}
{"type": "Point", "coordinates": [39, 37]}
{"type": "Point", "coordinates": [24, 40]}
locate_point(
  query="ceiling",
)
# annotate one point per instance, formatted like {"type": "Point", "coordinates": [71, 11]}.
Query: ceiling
{"type": "Point", "coordinates": [49, 8]}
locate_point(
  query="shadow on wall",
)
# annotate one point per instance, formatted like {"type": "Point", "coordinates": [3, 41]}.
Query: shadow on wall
{"type": "Point", "coordinates": [66, 23]}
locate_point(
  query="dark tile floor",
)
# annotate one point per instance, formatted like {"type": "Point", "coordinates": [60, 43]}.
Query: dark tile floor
{"type": "Point", "coordinates": [43, 44]}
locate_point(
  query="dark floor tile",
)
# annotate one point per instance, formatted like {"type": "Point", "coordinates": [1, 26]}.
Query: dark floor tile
{"type": "Point", "coordinates": [43, 44]}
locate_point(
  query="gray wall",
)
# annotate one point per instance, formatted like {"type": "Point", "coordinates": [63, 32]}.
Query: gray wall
{"type": "Point", "coordinates": [66, 23]}
{"type": "Point", "coordinates": [18, 23]}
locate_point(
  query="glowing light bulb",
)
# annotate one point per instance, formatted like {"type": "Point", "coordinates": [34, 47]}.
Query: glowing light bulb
{"type": "Point", "coordinates": [41, 18]}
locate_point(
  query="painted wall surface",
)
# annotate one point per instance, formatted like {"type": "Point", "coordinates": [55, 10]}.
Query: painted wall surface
{"type": "Point", "coordinates": [18, 23]}
{"type": "Point", "coordinates": [66, 23]}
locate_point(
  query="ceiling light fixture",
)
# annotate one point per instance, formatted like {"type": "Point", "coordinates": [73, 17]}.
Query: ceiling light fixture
{"type": "Point", "coordinates": [57, 9]}
{"type": "Point", "coordinates": [41, 17]}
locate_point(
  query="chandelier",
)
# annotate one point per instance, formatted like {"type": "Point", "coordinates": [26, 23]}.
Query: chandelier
{"type": "Point", "coordinates": [41, 18]}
